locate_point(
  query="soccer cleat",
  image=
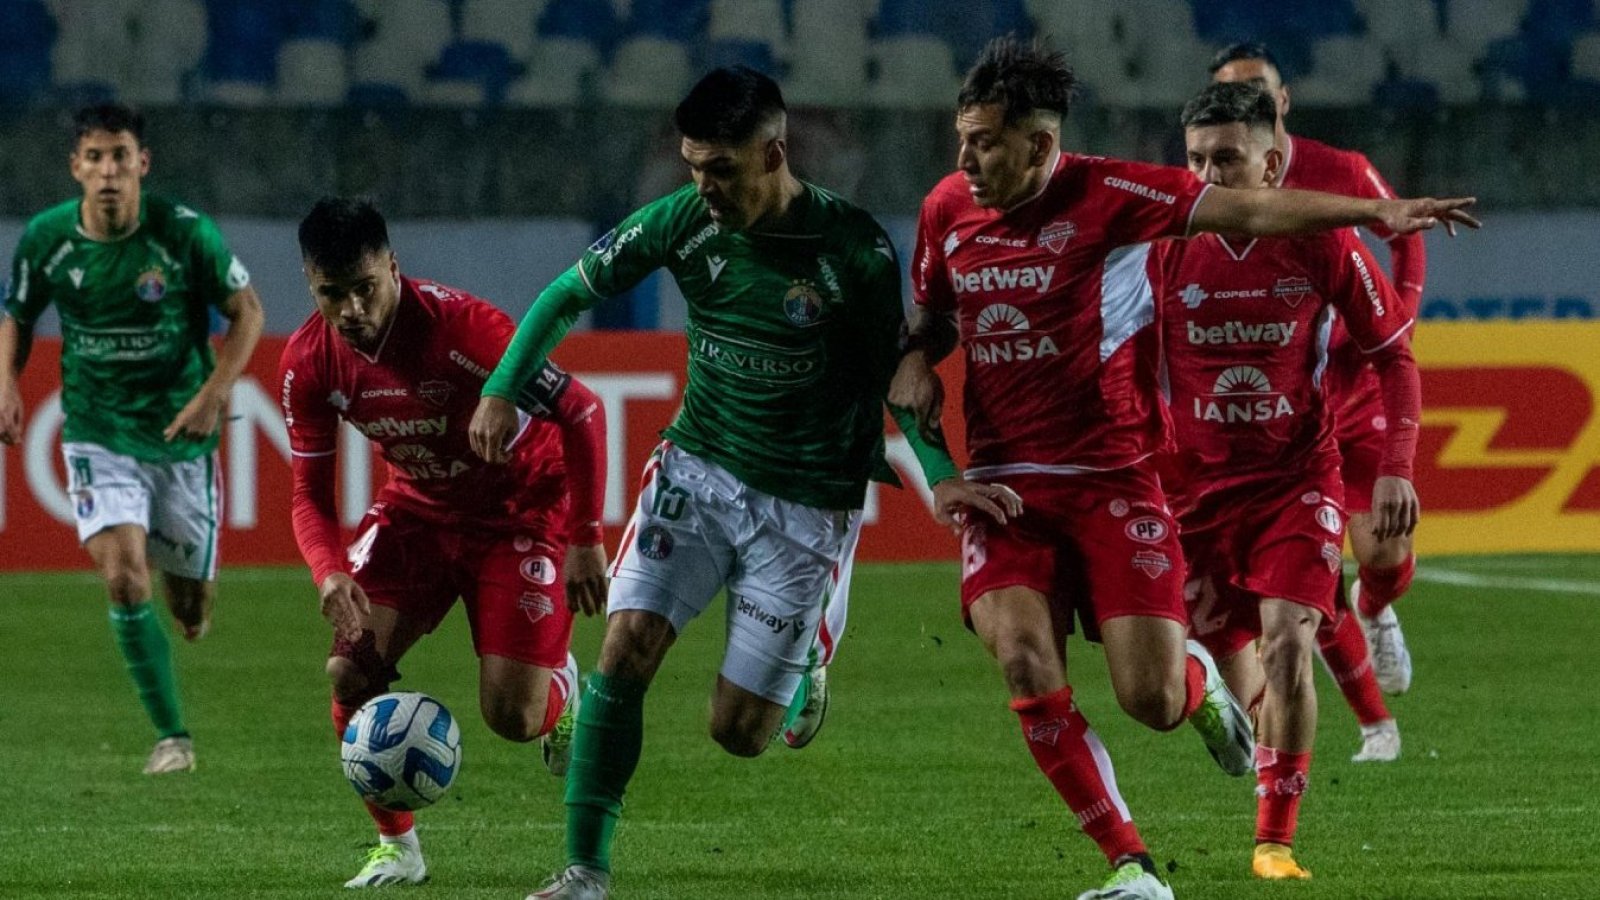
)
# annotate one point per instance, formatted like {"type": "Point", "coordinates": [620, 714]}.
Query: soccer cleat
{"type": "Point", "coordinates": [557, 745]}
{"type": "Point", "coordinates": [576, 883]}
{"type": "Point", "coordinates": [1128, 882]}
{"type": "Point", "coordinates": [1379, 743]}
{"type": "Point", "coordinates": [390, 864]}
{"type": "Point", "coordinates": [1222, 722]}
{"type": "Point", "coordinates": [171, 754]}
{"type": "Point", "coordinates": [1391, 660]}
{"type": "Point", "coordinates": [808, 709]}
{"type": "Point", "coordinates": [1275, 862]}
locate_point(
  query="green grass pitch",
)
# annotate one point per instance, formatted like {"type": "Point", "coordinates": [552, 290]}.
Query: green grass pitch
{"type": "Point", "coordinates": [919, 787]}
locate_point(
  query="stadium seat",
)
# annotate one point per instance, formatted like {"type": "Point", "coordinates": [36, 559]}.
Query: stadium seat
{"type": "Point", "coordinates": [312, 72]}
{"type": "Point", "coordinates": [510, 22]}
{"type": "Point", "coordinates": [366, 95]}
{"type": "Point", "coordinates": [77, 94]}
{"type": "Point", "coordinates": [95, 40]}
{"type": "Point", "coordinates": [1586, 57]}
{"type": "Point", "coordinates": [27, 33]}
{"type": "Point", "coordinates": [914, 71]}
{"type": "Point", "coordinates": [463, 65]}
{"type": "Point", "coordinates": [1519, 68]}
{"type": "Point", "coordinates": [558, 73]}
{"type": "Point", "coordinates": [1475, 24]}
{"type": "Point", "coordinates": [1403, 96]}
{"type": "Point", "coordinates": [834, 76]}
{"type": "Point", "coordinates": [578, 20]}
{"type": "Point", "coordinates": [405, 36]}
{"type": "Point", "coordinates": [648, 70]}
{"type": "Point", "coordinates": [680, 21]}
{"type": "Point", "coordinates": [1554, 22]}
{"type": "Point", "coordinates": [760, 21]}
{"type": "Point", "coordinates": [1401, 23]}
{"type": "Point", "coordinates": [169, 44]}
{"type": "Point", "coordinates": [1170, 61]}
{"type": "Point", "coordinates": [1445, 64]}
{"type": "Point", "coordinates": [241, 60]}
{"type": "Point", "coordinates": [329, 20]}
{"type": "Point", "coordinates": [757, 55]}
{"type": "Point", "coordinates": [1348, 66]}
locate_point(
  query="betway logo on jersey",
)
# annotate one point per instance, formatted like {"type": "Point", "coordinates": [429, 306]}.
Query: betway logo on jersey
{"type": "Point", "coordinates": [1242, 394]}
{"type": "Point", "coordinates": [390, 427]}
{"type": "Point", "coordinates": [693, 244]}
{"type": "Point", "coordinates": [1366, 282]}
{"type": "Point", "coordinates": [998, 278]}
{"type": "Point", "coordinates": [754, 360]}
{"type": "Point", "coordinates": [1142, 190]}
{"type": "Point", "coordinates": [1279, 333]}
{"type": "Point", "coordinates": [1003, 334]}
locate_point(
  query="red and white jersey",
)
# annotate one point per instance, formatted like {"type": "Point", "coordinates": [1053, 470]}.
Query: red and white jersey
{"type": "Point", "coordinates": [414, 397]}
{"type": "Point", "coordinates": [1245, 331]}
{"type": "Point", "coordinates": [1054, 309]}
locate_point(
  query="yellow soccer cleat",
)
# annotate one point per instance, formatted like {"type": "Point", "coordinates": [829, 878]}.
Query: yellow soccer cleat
{"type": "Point", "coordinates": [1275, 862]}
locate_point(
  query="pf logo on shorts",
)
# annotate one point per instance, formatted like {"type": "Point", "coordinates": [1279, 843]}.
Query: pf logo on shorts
{"type": "Point", "coordinates": [538, 569]}
{"type": "Point", "coordinates": [1147, 530]}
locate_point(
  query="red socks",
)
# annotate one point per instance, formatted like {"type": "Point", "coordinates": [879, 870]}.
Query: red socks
{"type": "Point", "coordinates": [389, 822]}
{"type": "Point", "coordinates": [1194, 687]}
{"type": "Point", "coordinates": [1344, 649]}
{"type": "Point", "coordinates": [553, 705]}
{"type": "Point", "coordinates": [1070, 754]}
{"type": "Point", "coordinates": [1381, 587]}
{"type": "Point", "coordinates": [1281, 779]}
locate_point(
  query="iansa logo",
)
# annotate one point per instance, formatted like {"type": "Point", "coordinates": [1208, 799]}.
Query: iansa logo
{"type": "Point", "coordinates": [1003, 334]}
{"type": "Point", "coordinates": [1242, 394]}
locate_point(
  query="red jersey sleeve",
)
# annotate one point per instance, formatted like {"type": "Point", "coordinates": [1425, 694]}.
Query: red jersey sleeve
{"type": "Point", "coordinates": [1408, 256]}
{"type": "Point", "coordinates": [1378, 323]}
{"type": "Point", "coordinates": [928, 285]}
{"type": "Point", "coordinates": [313, 426]}
{"type": "Point", "coordinates": [1143, 202]}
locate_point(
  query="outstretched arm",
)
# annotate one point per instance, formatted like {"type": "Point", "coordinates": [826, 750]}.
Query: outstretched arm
{"type": "Point", "coordinates": [1267, 213]}
{"type": "Point", "coordinates": [15, 342]}
{"type": "Point", "coordinates": [202, 415]}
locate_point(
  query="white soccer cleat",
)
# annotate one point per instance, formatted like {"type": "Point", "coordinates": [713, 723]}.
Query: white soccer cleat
{"type": "Point", "coordinates": [556, 747]}
{"type": "Point", "coordinates": [576, 883]}
{"type": "Point", "coordinates": [1222, 722]}
{"type": "Point", "coordinates": [1379, 743]}
{"type": "Point", "coordinates": [806, 720]}
{"type": "Point", "coordinates": [1391, 660]}
{"type": "Point", "coordinates": [1129, 882]}
{"type": "Point", "coordinates": [391, 864]}
{"type": "Point", "coordinates": [171, 754]}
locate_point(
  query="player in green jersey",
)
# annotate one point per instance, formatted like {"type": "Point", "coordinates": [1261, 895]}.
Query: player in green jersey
{"type": "Point", "coordinates": [134, 279]}
{"type": "Point", "coordinates": [794, 316]}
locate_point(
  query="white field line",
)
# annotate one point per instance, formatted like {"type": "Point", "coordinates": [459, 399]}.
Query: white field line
{"type": "Point", "coordinates": [1439, 575]}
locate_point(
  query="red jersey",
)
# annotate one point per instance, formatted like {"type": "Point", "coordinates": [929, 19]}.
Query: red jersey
{"type": "Point", "coordinates": [1053, 307]}
{"type": "Point", "coordinates": [1245, 330]}
{"type": "Point", "coordinates": [414, 397]}
{"type": "Point", "coordinates": [1310, 165]}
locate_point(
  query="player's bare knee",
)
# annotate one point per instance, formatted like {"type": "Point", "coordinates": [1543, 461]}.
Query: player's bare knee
{"type": "Point", "coordinates": [634, 646]}
{"type": "Point", "coordinates": [740, 736]}
{"type": "Point", "coordinates": [1030, 666]}
{"type": "Point", "coordinates": [1153, 702]}
{"type": "Point", "coordinates": [1286, 658]}
{"type": "Point", "coordinates": [512, 720]}
{"type": "Point", "coordinates": [127, 582]}
{"type": "Point", "coordinates": [349, 685]}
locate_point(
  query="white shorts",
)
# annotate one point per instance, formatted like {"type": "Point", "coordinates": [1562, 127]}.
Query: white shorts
{"type": "Point", "coordinates": [698, 529]}
{"type": "Point", "coordinates": [178, 504]}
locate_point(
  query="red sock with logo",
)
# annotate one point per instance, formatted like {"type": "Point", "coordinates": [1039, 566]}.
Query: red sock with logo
{"type": "Point", "coordinates": [390, 823]}
{"type": "Point", "coordinates": [553, 705]}
{"type": "Point", "coordinates": [1381, 587]}
{"type": "Point", "coordinates": [1281, 779]}
{"type": "Point", "coordinates": [1070, 754]}
{"type": "Point", "coordinates": [1344, 649]}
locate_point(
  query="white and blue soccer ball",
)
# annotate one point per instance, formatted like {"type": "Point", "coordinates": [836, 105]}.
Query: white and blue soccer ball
{"type": "Point", "coordinates": [401, 750]}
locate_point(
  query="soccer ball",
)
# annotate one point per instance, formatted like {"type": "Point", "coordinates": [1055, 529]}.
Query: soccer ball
{"type": "Point", "coordinates": [401, 751]}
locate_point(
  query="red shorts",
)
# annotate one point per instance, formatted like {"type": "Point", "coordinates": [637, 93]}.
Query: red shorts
{"type": "Point", "coordinates": [1360, 427]}
{"type": "Point", "coordinates": [1285, 543]}
{"type": "Point", "coordinates": [510, 582]}
{"type": "Point", "coordinates": [1100, 545]}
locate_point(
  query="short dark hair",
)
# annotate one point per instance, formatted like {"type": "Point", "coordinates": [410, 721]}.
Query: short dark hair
{"type": "Point", "coordinates": [1224, 103]}
{"type": "Point", "coordinates": [1245, 50]}
{"type": "Point", "coordinates": [728, 105]}
{"type": "Point", "coordinates": [109, 117]}
{"type": "Point", "coordinates": [339, 231]}
{"type": "Point", "coordinates": [1021, 77]}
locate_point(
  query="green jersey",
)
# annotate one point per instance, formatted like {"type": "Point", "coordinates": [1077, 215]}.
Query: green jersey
{"type": "Point", "coordinates": [793, 337]}
{"type": "Point", "coordinates": [135, 320]}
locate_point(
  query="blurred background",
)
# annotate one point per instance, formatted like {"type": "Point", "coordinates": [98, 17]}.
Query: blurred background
{"type": "Point", "coordinates": [501, 136]}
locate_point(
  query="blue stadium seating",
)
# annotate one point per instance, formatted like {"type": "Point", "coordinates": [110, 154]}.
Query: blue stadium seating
{"type": "Point", "coordinates": [26, 34]}
{"type": "Point", "coordinates": [482, 62]}
{"type": "Point", "coordinates": [683, 21]}
{"type": "Point", "coordinates": [1406, 96]}
{"type": "Point", "coordinates": [964, 26]}
{"type": "Point", "coordinates": [329, 20]}
{"type": "Point", "coordinates": [243, 39]}
{"type": "Point", "coordinates": [368, 95]}
{"type": "Point", "coordinates": [755, 54]}
{"type": "Point", "coordinates": [580, 19]}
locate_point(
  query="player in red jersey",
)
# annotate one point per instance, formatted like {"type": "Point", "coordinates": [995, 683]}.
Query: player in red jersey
{"type": "Point", "coordinates": [1360, 665]}
{"type": "Point", "coordinates": [1254, 479]}
{"type": "Point", "coordinates": [1036, 259]}
{"type": "Point", "coordinates": [403, 361]}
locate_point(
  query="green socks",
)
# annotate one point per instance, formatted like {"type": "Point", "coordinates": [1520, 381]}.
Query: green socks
{"type": "Point", "coordinates": [143, 642]}
{"type": "Point", "coordinates": [605, 751]}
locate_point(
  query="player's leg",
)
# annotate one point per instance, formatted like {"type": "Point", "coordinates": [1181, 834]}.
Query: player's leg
{"type": "Point", "coordinates": [1343, 647]}
{"type": "Point", "coordinates": [1288, 730]}
{"type": "Point", "coordinates": [809, 708]}
{"type": "Point", "coordinates": [521, 630]}
{"type": "Point", "coordinates": [111, 504]}
{"type": "Point", "coordinates": [1386, 569]}
{"type": "Point", "coordinates": [673, 558]}
{"type": "Point", "coordinates": [185, 521]}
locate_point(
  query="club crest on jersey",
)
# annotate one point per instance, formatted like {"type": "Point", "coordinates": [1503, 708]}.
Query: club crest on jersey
{"type": "Point", "coordinates": [802, 304]}
{"type": "Point", "coordinates": [1292, 290]}
{"type": "Point", "coordinates": [1152, 563]}
{"type": "Point", "coordinates": [1055, 236]}
{"type": "Point", "coordinates": [535, 605]}
{"type": "Point", "coordinates": [655, 543]}
{"type": "Point", "coordinates": [538, 569]}
{"type": "Point", "coordinates": [85, 504]}
{"type": "Point", "coordinates": [151, 286]}
{"type": "Point", "coordinates": [435, 392]}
